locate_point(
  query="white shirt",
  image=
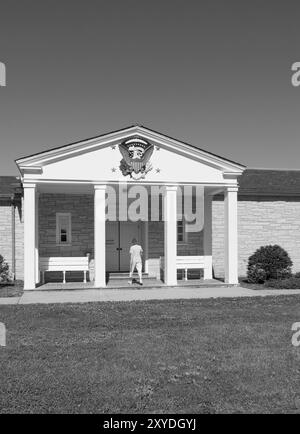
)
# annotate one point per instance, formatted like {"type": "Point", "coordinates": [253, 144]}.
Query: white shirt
{"type": "Point", "coordinates": [135, 253]}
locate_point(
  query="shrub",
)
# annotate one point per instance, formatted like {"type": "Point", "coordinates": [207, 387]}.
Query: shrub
{"type": "Point", "coordinates": [269, 262]}
{"type": "Point", "coordinates": [256, 274]}
{"type": "Point", "coordinates": [297, 275]}
{"type": "Point", "coordinates": [290, 283]}
{"type": "Point", "coordinates": [5, 274]}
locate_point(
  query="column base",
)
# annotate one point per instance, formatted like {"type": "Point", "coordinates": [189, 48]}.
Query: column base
{"type": "Point", "coordinates": [29, 288]}
{"type": "Point", "coordinates": [99, 285]}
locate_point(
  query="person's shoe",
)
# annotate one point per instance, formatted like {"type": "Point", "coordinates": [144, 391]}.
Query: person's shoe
{"type": "Point", "coordinates": [141, 283]}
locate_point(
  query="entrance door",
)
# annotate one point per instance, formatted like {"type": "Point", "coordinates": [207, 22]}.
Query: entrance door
{"type": "Point", "coordinates": [112, 245]}
{"type": "Point", "coordinates": [128, 231]}
{"type": "Point", "coordinates": [118, 240]}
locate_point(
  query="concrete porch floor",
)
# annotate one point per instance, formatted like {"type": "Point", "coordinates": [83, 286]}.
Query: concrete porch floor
{"type": "Point", "coordinates": [149, 283]}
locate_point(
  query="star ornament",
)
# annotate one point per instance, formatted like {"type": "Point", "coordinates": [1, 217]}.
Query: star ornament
{"type": "Point", "coordinates": [157, 170]}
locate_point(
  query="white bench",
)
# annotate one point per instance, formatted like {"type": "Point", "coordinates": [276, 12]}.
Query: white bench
{"type": "Point", "coordinates": [76, 263]}
{"type": "Point", "coordinates": [186, 263]}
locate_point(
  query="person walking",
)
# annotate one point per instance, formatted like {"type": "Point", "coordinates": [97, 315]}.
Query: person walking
{"type": "Point", "coordinates": [136, 253]}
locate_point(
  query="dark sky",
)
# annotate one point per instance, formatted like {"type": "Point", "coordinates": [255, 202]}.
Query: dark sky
{"type": "Point", "coordinates": [216, 74]}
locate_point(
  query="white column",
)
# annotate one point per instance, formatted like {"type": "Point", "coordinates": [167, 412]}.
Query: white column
{"type": "Point", "coordinates": [29, 236]}
{"type": "Point", "coordinates": [99, 235]}
{"type": "Point", "coordinates": [146, 246]}
{"type": "Point", "coordinates": [231, 235]}
{"type": "Point", "coordinates": [37, 259]}
{"type": "Point", "coordinates": [207, 236]}
{"type": "Point", "coordinates": [170, 234]}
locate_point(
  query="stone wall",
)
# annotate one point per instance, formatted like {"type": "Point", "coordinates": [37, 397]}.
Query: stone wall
{"type": "Point", "coordinates": [193, 246]}
{"type": "Point", "coordinates": [6, 225]}
{"type": "Point", "coordinates": [81, 208]}
{"type": "Point", "coordinates": [19, 241]}
{"type": "Point", "coordinates": [261, 221]}
{"type": "Point", "coordinates": [5, 231]}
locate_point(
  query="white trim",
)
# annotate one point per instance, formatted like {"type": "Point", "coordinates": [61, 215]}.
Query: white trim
{"type": "Point", "coordinates": [145, 225]}
{"type": "Point", "coordinates": [170, 234]}
{"type": "Point", "coordinates": [99, 236]}
{"type": "Point", "coordinates": [108, 181]}
{"type": "Point", "coordinates": [29, 236]}
{"type": "Point", "coordinates": [109, 139]}
{"type": "Point", "coordinates": [231, 236]}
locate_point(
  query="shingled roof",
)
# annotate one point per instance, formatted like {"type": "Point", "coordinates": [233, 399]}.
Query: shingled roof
{"type": "Point", "coordinates": [270, 182]}
{"type": "Point", "coordinates": [8, 185]}
{"type": "Point", "coordinates": [264, 182]}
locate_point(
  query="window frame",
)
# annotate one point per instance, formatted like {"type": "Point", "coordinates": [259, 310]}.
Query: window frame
{"type": "Point", "coordinates": [69, 229]}
{"type": "Point", "coordinates": [184, 232]}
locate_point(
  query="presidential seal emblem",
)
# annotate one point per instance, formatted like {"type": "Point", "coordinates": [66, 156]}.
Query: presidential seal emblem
{"type": "Point", "coordinates": [136, 154]}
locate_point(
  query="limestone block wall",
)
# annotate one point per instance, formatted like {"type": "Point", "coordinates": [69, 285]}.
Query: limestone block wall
{"type": "Point", "coordinates": [261, 221]}
{"type": "Point", "coordinates": [6, 231]}
{"type": "Point", "coordinates": [19, 241]}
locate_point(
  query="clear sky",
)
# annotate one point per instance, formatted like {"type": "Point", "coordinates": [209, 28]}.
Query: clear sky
{"type": "Point", "coordinates": [216, 74]}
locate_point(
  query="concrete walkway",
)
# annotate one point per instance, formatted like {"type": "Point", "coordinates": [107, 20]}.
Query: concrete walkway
{"type": "Point", "coordinates": [98, 295]}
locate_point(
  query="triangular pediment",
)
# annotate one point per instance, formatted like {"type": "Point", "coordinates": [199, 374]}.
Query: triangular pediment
{"type": "Point", "coordinates": [99, 157]}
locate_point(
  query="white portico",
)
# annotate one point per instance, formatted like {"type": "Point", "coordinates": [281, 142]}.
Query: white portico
{"type": "Point", "coordinates": [67, 191]}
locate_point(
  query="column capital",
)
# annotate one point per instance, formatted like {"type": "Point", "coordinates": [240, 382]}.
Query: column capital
{"type": "Point", "coordinates": [232, 189]}
{"type": "Point", "coordinates": [100, 186]}
{"type": "Point", "coordinates": [170, 187]}
{"type": "Point", "coordinates": [29, 185]}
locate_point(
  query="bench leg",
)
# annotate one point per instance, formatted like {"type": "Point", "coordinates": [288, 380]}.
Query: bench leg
{"type": "Point", "coordinates": [84, 277]}
{"type": "Point", "coordinates": [43, 277]}
{"type": "Point", "coordinates": [185, 274]}
{"type": "Point", "coordinates": [64, 277]}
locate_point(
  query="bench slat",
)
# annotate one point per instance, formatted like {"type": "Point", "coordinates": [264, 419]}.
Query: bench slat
{"type": "Point", "coordinates": [64, 263]}
{"type": "Point", "coordinates": [66, 268]}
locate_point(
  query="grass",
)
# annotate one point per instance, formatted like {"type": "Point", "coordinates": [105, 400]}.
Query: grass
{"type": "Point", "coordinates": [245, 284]}
{"type": "Point", "coordinates": [12, 290]}
{"type": "Point", "coordinates": [202, 356]}
{"type": "Point", "coordinates": [289, 283]}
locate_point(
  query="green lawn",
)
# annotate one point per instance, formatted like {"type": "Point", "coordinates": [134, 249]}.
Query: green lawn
{"type": "Point", "coordinates": [203, 356]}
{"type": "Point", "coordinates": [12, 290]}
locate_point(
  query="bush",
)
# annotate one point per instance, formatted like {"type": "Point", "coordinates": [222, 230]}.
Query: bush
{"type": "Point", "coordinates": [269, 262]}
{"type": "Point", "coordinates": [290, 283]}
{"type": "Point", "coordinates": [5, 274]}
{"type": "Point", "coordinates": [256, 274]}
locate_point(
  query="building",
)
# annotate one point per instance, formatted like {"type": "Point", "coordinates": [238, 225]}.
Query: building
{"type": "Point", "coordinates": [90, 198]}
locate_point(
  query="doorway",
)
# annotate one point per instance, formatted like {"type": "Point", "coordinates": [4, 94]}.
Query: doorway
{"type": "Point", "coordinates": [118, 240]}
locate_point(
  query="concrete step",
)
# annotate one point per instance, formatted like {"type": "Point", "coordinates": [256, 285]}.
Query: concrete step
{"type": "Point", "coordinates": [125, 276]}
{"type": "Point", "coordinates": [123, 283]}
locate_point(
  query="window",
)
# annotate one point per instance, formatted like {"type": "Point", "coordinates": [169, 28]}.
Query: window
{"type": "Point", "coordinates": [181, 234]}
{"type": "Point", "coordinates": [63, 228]}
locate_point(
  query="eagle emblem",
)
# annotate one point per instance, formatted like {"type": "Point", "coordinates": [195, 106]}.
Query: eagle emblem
{"type": "Point", "coordinates": [136, 153]}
